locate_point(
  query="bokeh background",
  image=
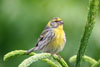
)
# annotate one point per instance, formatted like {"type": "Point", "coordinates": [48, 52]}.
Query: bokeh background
{"type": "Point", "coordinates": [22, 21]}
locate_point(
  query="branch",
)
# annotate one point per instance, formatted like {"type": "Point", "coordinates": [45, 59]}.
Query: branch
{"type": "Point", "coordinates": [93, 8]}
{"type": "Point", "coordinates": [96, 64]}
{"type": "Point", "coordinates": [16, 53]}
{"type": "Point", "coordinates": [61, 61]}
{"type": "Point", "coordinates": [27, 62]}
{"type": "Point", "coordinates": [51, 60]}
{"type": "Point", "coordinates": [85, 58]}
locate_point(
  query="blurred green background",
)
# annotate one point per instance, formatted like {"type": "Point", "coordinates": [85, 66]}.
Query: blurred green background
{"type": "Point", "coordinates": [22, 21]}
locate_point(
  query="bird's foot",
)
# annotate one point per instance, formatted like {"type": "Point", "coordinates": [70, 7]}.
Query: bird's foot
{"type": "Point", "coordinates": [57, 55]}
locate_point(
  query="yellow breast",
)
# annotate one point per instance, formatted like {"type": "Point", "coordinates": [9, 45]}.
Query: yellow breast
{"type": "Point", "coordinates": [58, 42]}
{"type": "Point", "coordinates": [59, 36]}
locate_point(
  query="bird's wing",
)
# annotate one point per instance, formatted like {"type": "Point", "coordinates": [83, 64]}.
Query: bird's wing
{"type": "Point", "coordinates": [45, 38]}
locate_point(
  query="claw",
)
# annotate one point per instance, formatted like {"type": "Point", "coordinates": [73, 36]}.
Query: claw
{"type": "Point", "coordinates": [59, 56]}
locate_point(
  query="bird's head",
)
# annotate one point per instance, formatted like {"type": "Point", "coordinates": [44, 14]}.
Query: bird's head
{"type": "Point", "coordinates": [55, 23]}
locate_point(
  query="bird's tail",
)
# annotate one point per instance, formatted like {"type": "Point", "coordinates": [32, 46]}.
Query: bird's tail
{"type": "Point", "coordinates": [30, 50]}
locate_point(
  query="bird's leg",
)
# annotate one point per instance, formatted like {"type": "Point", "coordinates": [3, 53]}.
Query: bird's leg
{"type": "Point", "coordinates": [58, 56]}
{"type": "Point", "coordinates": [52, 54]}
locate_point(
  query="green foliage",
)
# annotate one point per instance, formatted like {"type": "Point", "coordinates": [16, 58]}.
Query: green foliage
{"type": "Point", "coordinates": [61, 61]}
{"type": "Point", "coordinates": [84, 58]}
{"type": "Point", "coordinates": [54, 60]}
{"type": "Point", "coordinates": [93, 8]}
{"type": "Point", "coordinates": [96, 64]}
{"type": "Point", "coordinates": [27, 62]}
{"type": "Point", "coordinates": [15, 53]}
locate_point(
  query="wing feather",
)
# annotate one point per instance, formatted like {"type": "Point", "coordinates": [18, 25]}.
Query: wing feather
{"type": "Point", "coordinates": [45, 38]}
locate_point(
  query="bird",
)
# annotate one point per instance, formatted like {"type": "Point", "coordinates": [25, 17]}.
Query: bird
{"type": "Point", "coordinates": [52, 39]}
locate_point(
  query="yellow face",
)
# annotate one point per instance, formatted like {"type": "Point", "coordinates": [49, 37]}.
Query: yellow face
{"type": "Point", "coordinates": [55, 23]}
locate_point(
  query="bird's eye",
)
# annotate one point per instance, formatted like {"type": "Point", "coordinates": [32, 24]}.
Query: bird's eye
{"type": "Point", "coordinates": [54, 24]}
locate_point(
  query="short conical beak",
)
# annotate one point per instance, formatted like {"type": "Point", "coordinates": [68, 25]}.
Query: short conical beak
{"type": "Point", "coordinates": [61, 22]}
